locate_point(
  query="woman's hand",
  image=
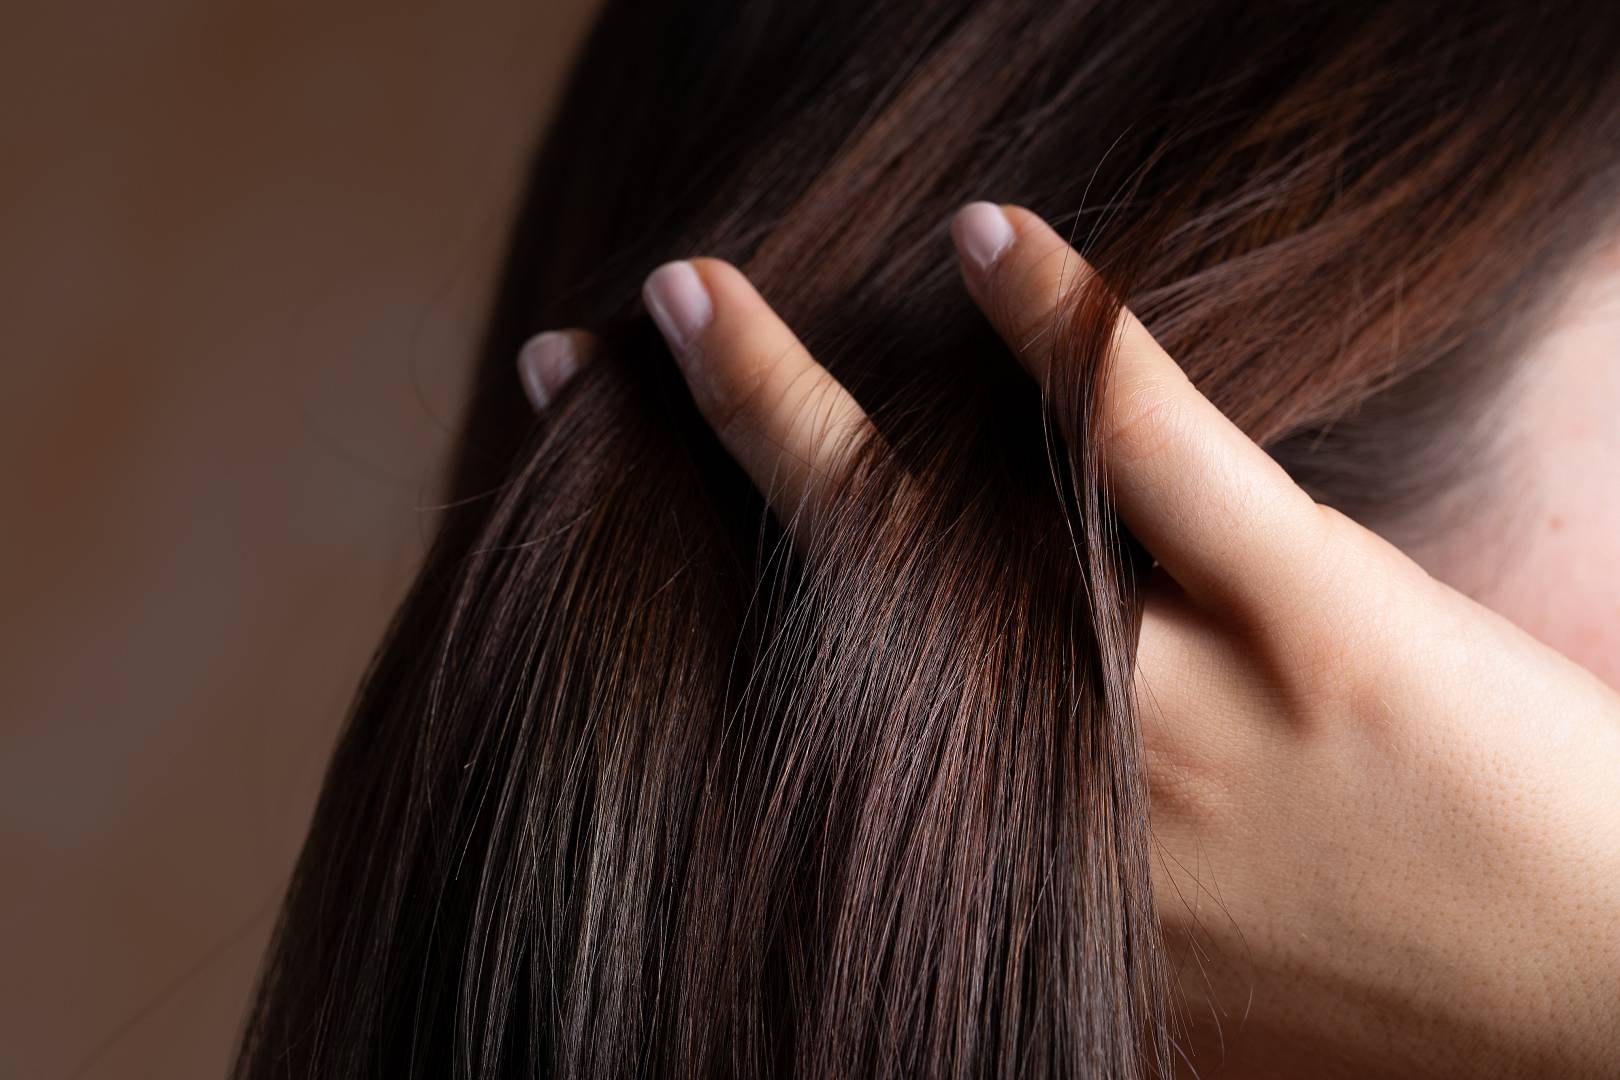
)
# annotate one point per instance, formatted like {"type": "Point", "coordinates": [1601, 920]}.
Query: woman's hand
{"type": "Point", "coordinates": [1388, 821]}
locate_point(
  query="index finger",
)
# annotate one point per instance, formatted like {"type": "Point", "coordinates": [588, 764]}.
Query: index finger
{"type": "Point", "coordinates": [787, 421]}
{"type": "Point", "coordinates": [1213, 508]}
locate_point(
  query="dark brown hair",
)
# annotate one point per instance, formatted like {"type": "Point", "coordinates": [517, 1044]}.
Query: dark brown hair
{"type": "Point", "coordinates": [633, 788]}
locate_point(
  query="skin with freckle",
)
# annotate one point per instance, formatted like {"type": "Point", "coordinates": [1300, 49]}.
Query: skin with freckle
{"type": "Point", "coordinates": [1545, 551]}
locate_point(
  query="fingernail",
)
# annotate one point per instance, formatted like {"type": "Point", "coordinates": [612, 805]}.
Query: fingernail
{"type": "Point", "coordinates": [679, 303]}
{"type": "Point", "coordinates": [545, 364]}
{"type": "Point", "coordinates": [982, 232]}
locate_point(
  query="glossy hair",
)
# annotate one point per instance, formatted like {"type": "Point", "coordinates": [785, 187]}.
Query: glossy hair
{"type": "Point", "coordinates": [634, 788]}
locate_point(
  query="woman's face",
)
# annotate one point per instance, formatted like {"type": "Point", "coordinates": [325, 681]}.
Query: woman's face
{"type": "Point", "coordinates": [1549, 559]}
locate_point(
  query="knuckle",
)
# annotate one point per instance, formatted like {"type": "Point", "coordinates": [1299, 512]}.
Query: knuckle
{"type": "Point", "coordinates": [1314, 614]}
{"type": "Point", "coordinates": [1307, 596]}
{"type": "Point", "coordinates": [1184, 780]}
{"type": "Point", "coordinates": [1024, 310]}
{"type": "Point", "coordinates": [1199, 768]}
{"type": "Point", "coordinates": [730, 400]}
{"type": "Point", "coordinates": [1344, 629]}
{"type": "Point", "coordinates": [1147, 421]}
{"type": "Point", "coordinates": [1188, 725]}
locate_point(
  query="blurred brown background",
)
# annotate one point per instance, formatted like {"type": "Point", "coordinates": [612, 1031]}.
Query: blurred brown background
{"type": "Point", "coordinates": [244, 253]}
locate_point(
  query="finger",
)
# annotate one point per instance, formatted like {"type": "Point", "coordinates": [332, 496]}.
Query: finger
{"type": "Point", "coordinates": [548, 361]}
{"type": "Point", "coordinates": [1195, 681]}
{"type": "Point", "coordinates": [788, 422]}
{"type": "Point", "coordinates": [1214, 509]}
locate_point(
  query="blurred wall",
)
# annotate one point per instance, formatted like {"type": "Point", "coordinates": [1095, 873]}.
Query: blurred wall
{"type": "Point", "coordinates": [245, 248]}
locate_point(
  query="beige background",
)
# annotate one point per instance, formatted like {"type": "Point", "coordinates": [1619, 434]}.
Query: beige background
{"type": "Point", "coordinates": [244, 253]}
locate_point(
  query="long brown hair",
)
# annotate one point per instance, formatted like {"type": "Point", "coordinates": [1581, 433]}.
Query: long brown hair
{"type": "Point", "coordinates": [634, 788]}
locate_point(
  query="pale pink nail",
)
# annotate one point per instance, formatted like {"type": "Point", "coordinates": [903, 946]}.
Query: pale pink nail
{"type": "Point", "coordinates": [545, 364]}
{"type": "Point", "coordinates": [678, 302]}
{"type": "Point", "coordinates": [982, 233]}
